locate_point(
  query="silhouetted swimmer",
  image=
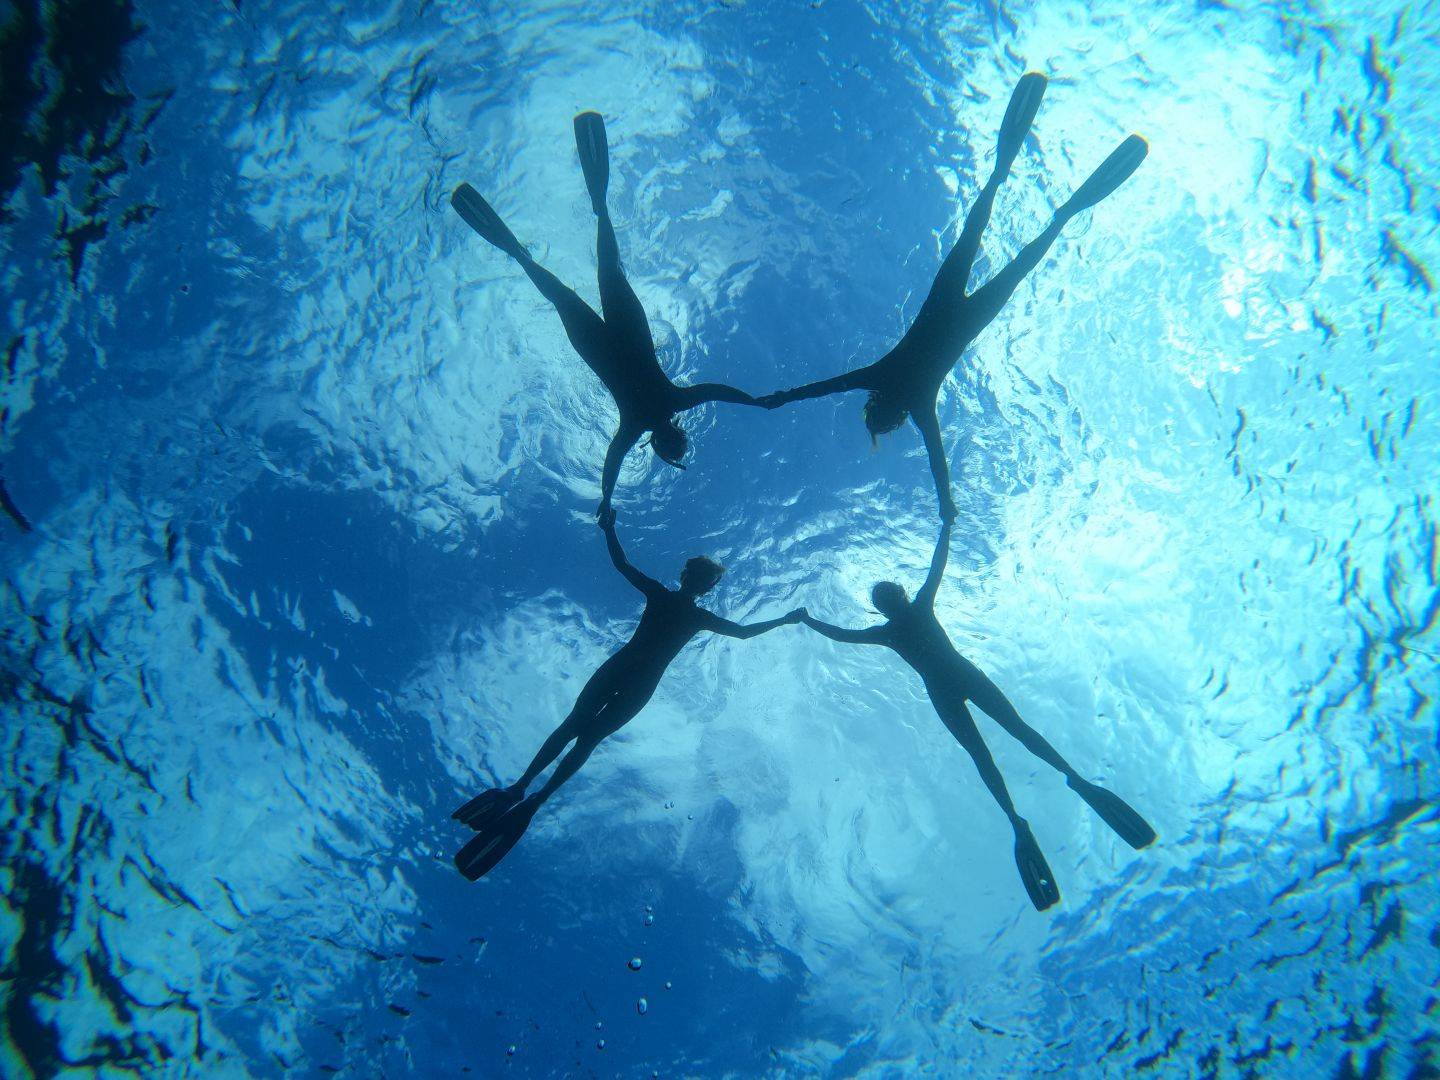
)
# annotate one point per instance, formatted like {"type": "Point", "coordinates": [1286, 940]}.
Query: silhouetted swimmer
{"type": "Point", "coordinates": [906, 381]}
{"type": "Point", "coordinates": [615, 694]}
{"type": "Point", "coordinates": [618, 348]}
{"type": "Point", "coordinates": [913, 631]}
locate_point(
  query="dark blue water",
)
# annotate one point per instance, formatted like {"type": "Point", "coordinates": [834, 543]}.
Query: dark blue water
{"type": "Point", "coordinates": [311, 474]}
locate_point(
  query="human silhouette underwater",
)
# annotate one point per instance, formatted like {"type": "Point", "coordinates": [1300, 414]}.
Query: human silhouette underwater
{"type": "Point", "coordinates": [906, 381]}
{"type": "Point", "coordinates": [615, 694]}
{"type": "Point", "coordinates": [913, 632]}
{"type": "Point", "coordinates": [618, 347]}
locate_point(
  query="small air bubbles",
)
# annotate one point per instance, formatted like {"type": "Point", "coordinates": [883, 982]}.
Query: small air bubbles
{"type": "Point", "coordinates": [642, 1006]}
{"type": "Point", "coordinates": [599, 1044]}
{"type": "Point", "coordinates": [668, 984]}
{"type": "Point", "coordinates": [510, 1050]}
{"type": "Point", "coordinates": [636, 963]}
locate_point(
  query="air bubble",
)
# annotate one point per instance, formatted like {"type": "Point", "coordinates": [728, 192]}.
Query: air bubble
{"type": "Point", "coordinates": [649, 919]}
{"type": "Point", "coordinates": [668, 984]}
{"type": "Point", "coordinates": [600, 1044]}
{"type": "Point", "coordinates": [642, 1006]}
{"type": "Point", "coordinates": [636, 963]}
{"type": "Point", "coordinates": [510, 1050]}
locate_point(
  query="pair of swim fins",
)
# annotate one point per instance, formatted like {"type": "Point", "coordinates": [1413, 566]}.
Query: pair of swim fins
{"type": "Point", "coordinates": [1020, 115]}
{"type": "Point", "coordinates": [1114, 811]}
{"type": "Point", "coordinates": [500, 819]}
{"type": "Point", "coordinates": [594, 149]}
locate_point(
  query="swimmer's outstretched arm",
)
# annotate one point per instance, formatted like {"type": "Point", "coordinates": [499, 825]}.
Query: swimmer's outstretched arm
{"type": "Point", "coordinates": [625, 438]}
{"type": "Point", "coordinates": [870, 635]}
{"type": "Point", "coordinates": [716, 625]}
{"type": "Point", "coordinates": [929, 425]}
{"type": "Point", "coordinates": [644, 583]}
{"type": "Point", "coordinates": [691, 396]}
{"type": "Point", "coordinates": [859, 379]}
{"type": "Point", "coordinates": [926, 595]}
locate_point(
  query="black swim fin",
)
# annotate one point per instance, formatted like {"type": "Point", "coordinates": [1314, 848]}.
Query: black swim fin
{"type": "Point", "coordinates": [486, 807]}
{"type": "Point", "coordinates": [1034, 870]}
{"type": "Point", "coordinates": [478, 214]}
{"type": "Point", "coordinates": [1019, 115]}
{"type": "Point", "coordinates": [1116, 813]}
{"type": "Point", "coordinates": [484, 852]}
{"type": "Point", "coordinates": [1113, 171]}
{"type": "Point", "coordinates": [594, 149]}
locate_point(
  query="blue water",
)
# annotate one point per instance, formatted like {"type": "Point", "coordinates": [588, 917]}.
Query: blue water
{"type": "Point", "coordinates": [312, 474]}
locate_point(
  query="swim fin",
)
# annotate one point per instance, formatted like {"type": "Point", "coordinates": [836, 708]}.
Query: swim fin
{"type": "Point", "coordinates": [1116, 813]}
{"type": "Point", "coordinates": [478, 214]}
{"type": "Point", "coordinates": [594, 149]}
{"type": "Point", "coordinates": [1034, 870]}
{"type": "Point", "coordinates": [1113, 171]}
{"type": "Point", "coordinates": [1019, 115]}
{"type": "Point", "coordinates": [486, 807]}
{"type": "Point", "coordinates": [484, 852]}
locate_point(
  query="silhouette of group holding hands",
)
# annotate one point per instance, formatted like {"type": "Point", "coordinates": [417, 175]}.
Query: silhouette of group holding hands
{"type": "Point", "coordinates": [905, 382]}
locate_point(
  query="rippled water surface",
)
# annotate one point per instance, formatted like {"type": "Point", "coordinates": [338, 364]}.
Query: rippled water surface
{"type": "Point", "coordinates": [311, 473]}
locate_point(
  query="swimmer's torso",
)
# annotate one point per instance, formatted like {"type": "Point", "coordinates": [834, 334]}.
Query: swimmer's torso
{"type": "Point", "coordinates": [923, 644]}
{"type": "Point", "coordinates": [641, 389]}
{"type": "Point", "coordinates": [669, 621]}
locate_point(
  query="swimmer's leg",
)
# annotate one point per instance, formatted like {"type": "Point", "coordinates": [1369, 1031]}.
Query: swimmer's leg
{"type": "Point", "coordinates": [622, 309]}
{"type": "Point", "coordinates": [1034, 871]}
{"type": "Point", "coordinates": [1113, 810]}
{"type": "Point", "coordinates": [583, 327]}
{"type": "Point", "coordinates": [986, 302]}
{"type": "Point", "coordinates": [485, 808]}
{"type": "Point", "coordinates": [620, 706]}
{"type": "Point", "coordinates": [994, 704]}
{"type": "Point", "coordinates": [954, 275]}
{"type": "Point", "coordinates": [484, 852]}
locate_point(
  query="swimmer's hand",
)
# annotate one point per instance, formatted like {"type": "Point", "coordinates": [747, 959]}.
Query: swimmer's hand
{"type": "Point", "coordinates": [605, 516]}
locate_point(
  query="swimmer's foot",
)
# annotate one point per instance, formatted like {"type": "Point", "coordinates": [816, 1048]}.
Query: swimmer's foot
{"type": "Point", "coordinates": [1116, 813]}
{"type": "Point", "coordinates": [1113, 171]}
{"type": "Point", "coordinates": [594, 149]}
{"type": "Point", "coordinates": [478, 214]}
{"type": "Point", "coordinates": [483, 854]}
{"type": "Point", "coordinates": [487, 807]}
{"type": "Point", "coordinates": [1019, 115]}
{"type": "Point", "coordinates": [1034, 870]}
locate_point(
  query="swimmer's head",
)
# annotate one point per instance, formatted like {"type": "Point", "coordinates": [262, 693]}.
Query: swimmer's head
{"type": "Point", "coordinates": [883, 413]}
{"type": "Point", "coordinates": [701, 574]}
{"type": "Point", "coordinates": [670, 442]}
{"type": "Point", "coordinates": [889, 599]}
